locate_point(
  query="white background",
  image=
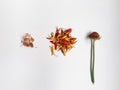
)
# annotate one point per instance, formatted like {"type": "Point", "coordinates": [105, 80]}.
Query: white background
{"type": "Point", "coordinates": [23, 68]}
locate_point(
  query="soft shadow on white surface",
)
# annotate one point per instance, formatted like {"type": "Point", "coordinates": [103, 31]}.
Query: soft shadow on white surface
{"type": "Point", "coordinates": [23, 68]}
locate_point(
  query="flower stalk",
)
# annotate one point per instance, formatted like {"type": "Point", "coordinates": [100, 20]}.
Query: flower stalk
{"type": "Point", "coordinates": [92, 60]}
{"type": "Point", "coordinates": [93, 37]}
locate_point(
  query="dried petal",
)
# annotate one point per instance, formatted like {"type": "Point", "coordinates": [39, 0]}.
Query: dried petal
{"type": "Point", "coordinates": [52, 50]}
{"type": "Point", "coordinates": [62, 40]}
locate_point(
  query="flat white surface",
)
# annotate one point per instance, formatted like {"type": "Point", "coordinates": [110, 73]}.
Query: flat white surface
{"type": "Point", "coordinates": [23, 68]}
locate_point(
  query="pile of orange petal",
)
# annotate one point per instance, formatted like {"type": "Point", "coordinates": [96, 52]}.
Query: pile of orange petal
{"type": "Point", "coordinates": [61, 40]}
{"type": "Point", "coordinates": [28, 40]}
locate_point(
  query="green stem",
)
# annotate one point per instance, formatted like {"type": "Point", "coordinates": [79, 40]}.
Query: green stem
{"type": "Point", "coordinates": [92, 62]}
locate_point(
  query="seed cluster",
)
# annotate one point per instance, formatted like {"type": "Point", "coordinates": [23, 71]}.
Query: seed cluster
{"type": "Point", "coordinates": [28, 40]}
